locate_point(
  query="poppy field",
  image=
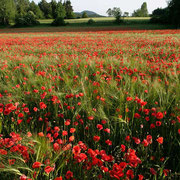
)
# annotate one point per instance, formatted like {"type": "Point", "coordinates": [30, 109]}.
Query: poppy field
{"type": "Point", "coordinates": [90, 105]}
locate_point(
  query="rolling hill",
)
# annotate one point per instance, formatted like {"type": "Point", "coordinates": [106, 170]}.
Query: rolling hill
{"type": "Point", "coordinates": [89, 13]}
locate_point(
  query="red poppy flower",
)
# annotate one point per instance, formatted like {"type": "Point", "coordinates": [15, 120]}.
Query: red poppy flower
{"type": "Point", "coordinates": [160, 140]}
{"type": "Point", "coordinates": [90, 117]}
{"type": "Point", "coordinates": [72, 130]}
{"type": "Point", "coordinates": [58, 178]}
{"type": "Point", "coordinates": [3, 152]}
{"type": "Point", "coordinates": [159, 115]}
{"type": "Point", "coordinates": [96, 138]}
{"type": "Point", "coordinates": [36, 165]}
{"type": "Point", "coordinates": [64, 133]}
{"type": "Point", "coordinates": [71, 138]}
{"type": "Point", "coordinates": [42, 105]}
{"type": "Point", "coordinates": [153, 172]}
{"type": "Point", "coordinates": [48, 169]}
{"type": "Point", "coordinates": [41, 134]}
{"type": "Point", "coordinates": [69, 175]}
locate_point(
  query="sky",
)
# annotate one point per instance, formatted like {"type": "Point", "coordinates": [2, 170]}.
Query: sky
{"type": "Point", "coordinates": [101, 6]}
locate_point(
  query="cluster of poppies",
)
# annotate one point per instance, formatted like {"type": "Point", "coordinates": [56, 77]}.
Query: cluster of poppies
{"type": "Point", "coordinates": [90, 105]}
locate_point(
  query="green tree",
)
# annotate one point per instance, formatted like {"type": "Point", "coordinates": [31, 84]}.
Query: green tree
{"type": "Point", "coordinates": [168, 15]}
{"type": "Point", "coordinates": [28, 20]}
{"type": "Point", "coordinates": [54, 6]}
{"type": "Point", "coordinates": [160, 15]}
{"type": "Point", "coordinates": [69, 9]}
{"type": "Point", "coordinates": [46, 9]}
{"type": "Point", "coordinates": [36, 10]}
{"type": "Point", "coordinates": [142, 12]}
{"type": "Point", "coordinates": [126, 14]}
{"type": "Point", "coordinates": [60, 15]}
{"type": "Point", "coordinates": [109, 12]}
{"type": "Point", "coordinates": [7, 11]}
{"type": "Point", "coordinates": [22, 7]}
{"type": "Point", "coordinates": [116, 12]}
{"type": "Point", "coordinates": [60, 10]}
{"type": "Point", "coordinates": [174, 12]}
{"type": "Point", "coordinates": [84, 15]}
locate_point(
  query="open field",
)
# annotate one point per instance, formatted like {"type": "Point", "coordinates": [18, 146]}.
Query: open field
{"type": "Point", "coordinates": [98, 20]}
{"type": "Point", "coordinates": [82, 25]}
{"type": "Point", "coordinates": [89, 103]}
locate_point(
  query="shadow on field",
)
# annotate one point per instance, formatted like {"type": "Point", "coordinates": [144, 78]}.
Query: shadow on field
{"type": "Point", "coordinates": [44, 29]}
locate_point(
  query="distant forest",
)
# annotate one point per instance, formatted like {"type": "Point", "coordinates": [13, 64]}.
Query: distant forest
{"type": "Point", "coordinates": [26, 13]}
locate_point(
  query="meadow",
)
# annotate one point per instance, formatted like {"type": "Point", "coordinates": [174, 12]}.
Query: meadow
{"type": "Point", "coordinates": [100, 104]}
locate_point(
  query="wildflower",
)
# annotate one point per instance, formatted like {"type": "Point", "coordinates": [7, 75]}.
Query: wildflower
{"type": "Point", "coordinates": [159, 115]}
{"type": "Point", "coordinates": [36, 165]}
{"type": "Point", "coordinates": [69, 175]}
{"type": "Point", "coordinates": [3, 152]}
{"type": "Point", "coordinates": [152, 171]}
{"type": "Point", "coordinates": [160, 140]}
{"type": "Point", "coordinates": [48, 169]}
{"type": "Point", "coordinates": [41, 134]}
{"type": "Point", "coordinates": [96, 138]}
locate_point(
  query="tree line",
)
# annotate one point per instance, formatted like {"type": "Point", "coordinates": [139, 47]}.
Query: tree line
{"type": "Point", "coordinates": [117, 13]}
{"type": "Point", "coordinates": [141, 12]}
{"type": "Point", "coordinates": [168, 15]}
{"type": "Point", "coordinates": [24, 12]}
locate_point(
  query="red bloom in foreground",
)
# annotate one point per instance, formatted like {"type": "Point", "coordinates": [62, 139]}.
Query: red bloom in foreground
{"type": "Point", "coordinates": [159, 115]}
{"type": "Point", "coordinates": [41, 134]}
{"type": "Point", "coordinates": [59, 178]}
{"type": "Point", "coordinates": [90, 117]}
{"type": "Point", "coordinates": [160, 140]}
{"type": "Point", "coordinates": [36, 165]}
{"type": "Point", "coordinates": [69, 174]}
{"type": "Point", "coordinates": [153, 172]}
{"type": "Point", "coordinates": [23, 177]}
{"type": "Point", "coordinates": [96, 138]}
{"type": "Point", "coordinates": [140, 177]}
{"type": "Point", "coordinates": [42, 105]}
{"type": "Point", "coordinates": [56, 147]}
{"type": "Point", "coordinates": [123, 148]}
{"type": "Point", "coordinates": [48, 169]}
{"type": "Point", "coordinates": [76, 150]}
{"type": "Point", "coordinates": [3, 152]}
{"type": "Point", "coordinates": [130, 174]}
{"type": "Point", "coordinates": [166, 171]}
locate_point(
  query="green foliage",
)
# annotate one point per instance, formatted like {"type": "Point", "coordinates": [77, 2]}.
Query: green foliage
{"type": "Point", "coordinates": [21, 7]}
{"type": "Point", "coordinates": [69, 9]}
{"type": "Point", "coordinates": [46, 9]}
{"type": "Point", "coordinates": [116, 12]}
{"type": "Point", "coordinates": [109, 12]}
{"type": "Point", "coordinates": [142, 12]}
{"type": "Point", "coordinates": [168, 15]}
{"type": "Point", "coordinates": [54, 6]}
{"type": "Point", "coordinates": [84, 15]}
{"type": "Point", "coordinates": [7, 11]}
{"type": "Point", "coordinates": [91, 21]}
{"type": "Point", "coordinates": [36, 10]}
{"type": "Point", "coordinates": [60, 10]}
{"type": "Point", "coordinates": [174, 12]}
{"type": "Point", "coordinates": [59, 21]}
{"type": "Point", "coordinates": [42, 152]}
{"type": "Point", "coordinates": [126, 14]}
{"type": "Point", "coordinates": [160, 15]}
{"type": "Point", "coordinates": [60, 15]}
{"type": "Point", "coordinates": [28, 20]}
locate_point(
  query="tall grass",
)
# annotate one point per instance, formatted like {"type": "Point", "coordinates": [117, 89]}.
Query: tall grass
{"type": "Point", "coordinates": [123, 82]}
